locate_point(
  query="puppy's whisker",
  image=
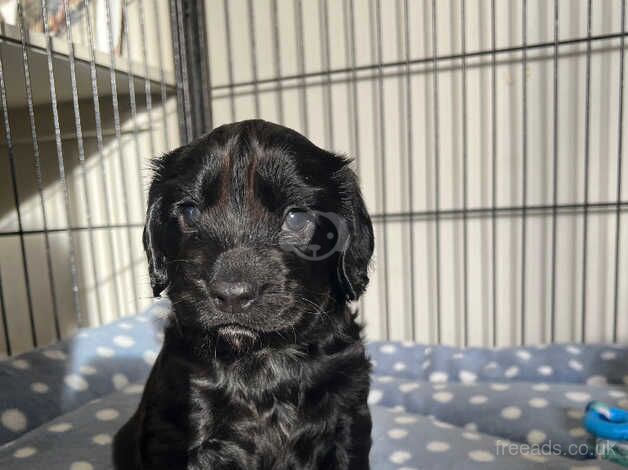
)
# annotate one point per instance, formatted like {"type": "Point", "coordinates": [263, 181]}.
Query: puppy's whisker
{"type": "Point", "coordinates": [318, 309]}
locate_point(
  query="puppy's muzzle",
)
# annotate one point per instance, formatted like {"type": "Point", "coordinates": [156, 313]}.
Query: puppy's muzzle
{"type": "Point", "coordinates": [233, 296]}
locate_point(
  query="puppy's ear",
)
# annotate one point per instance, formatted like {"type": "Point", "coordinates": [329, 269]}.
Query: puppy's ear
{"type": "Point", "coordinates": [154, 252]}
{"type": "Point", "coordinates": [353, 263]}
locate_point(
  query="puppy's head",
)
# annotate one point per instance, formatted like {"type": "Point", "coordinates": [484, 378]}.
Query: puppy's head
{"type": "Point", "coordinates": [253, 230]}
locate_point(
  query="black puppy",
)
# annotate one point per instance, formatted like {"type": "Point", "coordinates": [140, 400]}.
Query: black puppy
{"type": "Point", "coordinates": [260, 239]}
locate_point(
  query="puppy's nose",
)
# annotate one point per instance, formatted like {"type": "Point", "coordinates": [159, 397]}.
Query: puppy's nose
{"type": "Point", "coordinates": [233, 296]}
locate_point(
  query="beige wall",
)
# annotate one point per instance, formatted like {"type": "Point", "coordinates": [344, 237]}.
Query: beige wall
{"type": "Point", "coordinates": [238, 103]}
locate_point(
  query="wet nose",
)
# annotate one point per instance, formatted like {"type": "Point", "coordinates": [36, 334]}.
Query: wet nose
{"type": "Point", "coordinates": [233, 296]}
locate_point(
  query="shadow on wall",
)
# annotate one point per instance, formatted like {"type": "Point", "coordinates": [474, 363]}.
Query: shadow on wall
{"type": "Point", "coordinates": [107, 190]}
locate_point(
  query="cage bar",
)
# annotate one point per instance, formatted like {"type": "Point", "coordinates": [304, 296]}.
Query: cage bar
{"type": "Point", "coordinates": [147, 85]}
{"type": "Point", "coordinates": [494, 174]}
{"type": "Point", "coordinates": [303, 102]}
{"type": "Point", "coordinates": [100, 145]}
{"type": "Point", "coordinates": [587, 150]}
{"type": "Point", "coordinates": [253, 47]}
{"type": "Point", "coordinates": [381, 131]}
{"type": "Point", "coordinates": [229, 48]}
{"type": "Point", "coordinates": [38, 174]}
{"type": "Point", "coordinates": [524, 165]}
{"type": "Point", "coordinates": [620, 149]}
{"type": "Point", "coordinates": [180, 67]}
{"type": "Point", "coordinates": [421, 61]}
{"type": "Point", "coordinates": [410, 170]}
{"type": "Point", "coordinates": [132, 102]}
{"type": "Point", "coordinates": [162, 81]}
{"type": "Point", "coordinates": [465, 159]}
{"type": "Point", "coordinates": [62, 177]}
{"type": "Point", "coordinates": [81, 151]}
{"type": "Point", "coordinates": [327, 101]}
{"type": "Point", "coordinates": [436, 170]}
{"type": "Point", "coordinates": [554, 177]}
{"type": "Point", "coordinates": [116, 123]}
{"type": "Point", "coordinates": [277, 58]}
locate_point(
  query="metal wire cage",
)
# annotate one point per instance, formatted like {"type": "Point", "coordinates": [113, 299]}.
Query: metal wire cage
{"type": "Point", "coordinates": [488, 137]}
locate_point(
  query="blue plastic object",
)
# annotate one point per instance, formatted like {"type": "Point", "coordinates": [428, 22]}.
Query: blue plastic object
{"type": "Point", "coordinates": [610, 427]}
{"type": "Point", "coordinates": [608, 423]}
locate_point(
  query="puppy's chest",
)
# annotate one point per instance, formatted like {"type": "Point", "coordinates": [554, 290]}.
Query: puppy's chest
{"type": "Point", "coordinates": [254, 422]}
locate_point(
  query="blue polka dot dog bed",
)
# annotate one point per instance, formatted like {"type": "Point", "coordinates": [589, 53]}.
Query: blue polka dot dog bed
{"type": "Point", "coordinates": [433, 407]}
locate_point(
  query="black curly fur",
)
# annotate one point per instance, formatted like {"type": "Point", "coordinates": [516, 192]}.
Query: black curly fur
{"type": "Point", "coordinates": [284, 384]}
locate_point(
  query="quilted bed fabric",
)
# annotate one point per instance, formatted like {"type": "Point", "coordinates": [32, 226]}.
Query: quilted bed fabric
{"type": "Point", "coordinates": [42, 384]}
{"type": "Point", "coordinates": [433, 406]}
{"type": "Point", "coordinates": [491, 408]}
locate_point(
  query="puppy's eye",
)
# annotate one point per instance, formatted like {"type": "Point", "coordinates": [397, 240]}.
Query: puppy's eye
{"type": "Point", "coordinates": [189, 213]}
{"type": "Point", "coordinates": [298, 220]}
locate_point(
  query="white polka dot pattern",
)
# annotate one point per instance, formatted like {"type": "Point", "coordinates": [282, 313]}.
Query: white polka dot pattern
{"type": "Point", "coordinates": [438, 446]}
{"type": "Point", "coordinates": [76, 382]}
{"type": "Point", "coordinates": [21, 364]}
{"type": "Point", "coordinates": [617, 393]}
{"type": "Point", "coordinates": [400, 456]}
{"type": "Point", "coordinates": [541, 387]}
{"type": "Point", "coordinates": [536, 437]}
{"type": "Point", "coordinates": [500, 387]}
{"type": "Point", "coordinates": [399, 366]}
{"type": "Point", "coordinates": [14, 420]}
{"type": "Point", "coordinates": [545, 370]}
{"type": "Point", "coordinates": [511, 412]}
{"type": "Point", "coordinates": [579, 397]}
{"type": "Point", "coordinates": [481, 456]}
{"type": "Point", "coordinates": [39, 387]}
{"type": "Point", "coordinates": [397, 433]}
{"type": "Point", "coordinates": [24, 452]}
{"type": "Point", "coordinates": [575, 365]}
{"type": "Point", "coordinates": [443, 397]}
{"type": "Point", "coordinates": [577, 432]}
{"type": "Point", "coordinates": [575, 414]}
{"type": "Point", "coordinates": [81, 465]}
{"type": "Point", "coordinates": [478, 399]}
{"type": "Point", "coordinates": [119, 381]}
{"type": "Point", "coordinates": [60, 427]}
{"type": "Point", "coordinates": [609, 355]}
{"type": "Point", "coordinates": [534, 458]}
{"type": "Point", "coordinates": [538, 402]}
{"type": "Point", "coordinates": [438, 377]}
{"type": "Point", "coordinates": [134, 389]}
{"type": "Point", "coordinates": [88, 370]}
{"type": "Point", "coordinates": [104, 351]}
{"type": "Point", "coordinates": [123, 341]}
{"type": "Point", "coordinates": [597, 381]}
{"type": "Point", "coordinates": [55, 354]}
{"type": "Point", "coordinates": [408, 387]}
{"type": "Point", "coordinates": [102, 439]}
{"type": "Point", "coordinates": [107, 414]}
{"type": "Point", "coordinates": [405, 420]}
{"type": "Point", "coordinates": [511, 372]}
